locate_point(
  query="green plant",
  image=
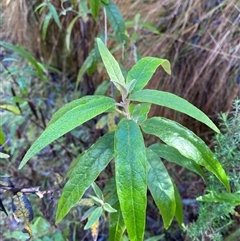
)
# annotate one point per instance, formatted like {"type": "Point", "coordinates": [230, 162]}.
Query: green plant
{"type": "Point", "coordinates": [136, 167]}
{"type": "Point", "coordinates": [217, 208]}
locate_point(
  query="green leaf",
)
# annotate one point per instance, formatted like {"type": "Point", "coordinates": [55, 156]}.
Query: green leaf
{"type": "Point", "coordinates": [2, 136]}
{"type": "Point", "coordinates": [87, 169]}
{"type": "Point", "coordinates": [11, 108]}
{"type": "Point", "coordinates": [187, 143]}
{"type": "Point", "coordinates": [116, 224]}
{"type": "Point", "coordinates": [139, 112]}
{"type": "Point", "coordinates": [111, 65]}
{"type": "Point", "coordinates": [93, 218]}
{"type": "Point", "coordinates": [69, 32]}
{"type": "Point", "coordinates": [4, 155]}
{"type": "Point", "coordinates": [173, 155]}
{"type": "Point", "coordinates": [173, 102]}
{"type": "Point", "coordinates": [116, 21]}
{"type": "Point", "coordinates": [54, 13]}
{"type": "Point", "coordinates": [95, 4]}
{"type": "Point", "coordinates": [21, 51]}
{"type": "Point", "coordinates": [46, 22]}
{"type": "Point", "coordinates": [232, 198]}
{"type": "Point", "coordinates": [144, 69]}
{"type": "Point", "coordinates": [102, 88]}
{"type": "Point", "coordinates": [97, 191]}
{"type": "Point", "coordinates": [42, 6]}
{"type": "Point", "coordinates": [88, 213]}
{"type": "Point", "coordinates": [86, 64]}
{"type": "Point", "coordinates": [105, 1]}
{"type": "Point", "coordinates": [131, 177]}
{"type": "Point", "coordinates": [150, 27]}
{"type": "Point", "coordinates": [179, 207]}
{"type": "Point", "coordinates": [67, 118]}
{"type": "Point", "coordinates": [96, 200]}
{"type": "Point", "coordinates": [107, 207]}
{"type": "Point", "coordinates": [161, 187]}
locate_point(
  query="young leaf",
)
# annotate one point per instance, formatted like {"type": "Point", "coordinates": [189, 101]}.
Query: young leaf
{"type": "Point", "coordinates": [187, 143]}
{"type": "Point", "coordinates": [97, 191]}
{"type": "Point", "coordinates": [173, 102]}
{"type": "Point", "coordinates": [93, 218]}
{"type": "Point", "coordinates": [111, 65]}
{"type": "Point", "coordinates": [161, 187]}
{"type": "Point", "coordinates": [144, 69]}
{"type": "Point", "coordinates": [139, 112]}
{"type": "Point", "coordinates": [67, 118]}
{"type": "Point", "coordinates": [87, 169]}
{"type": "Point", "coordinates": [108, 208]}
{"type": "Point", "coordinates": [131, 177]}
{"type": "Point", "coordinates": [88, 213]}
{"type": "Point", "coordinates": [116, 224]}
{"type": "Point", "coordinates": [96, 200]}
{"type": "Point", "coordinates": [173, 155]}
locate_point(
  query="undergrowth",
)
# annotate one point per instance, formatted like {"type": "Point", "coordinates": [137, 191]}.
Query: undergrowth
{"type": "Point", "coordinates": [220, 221]}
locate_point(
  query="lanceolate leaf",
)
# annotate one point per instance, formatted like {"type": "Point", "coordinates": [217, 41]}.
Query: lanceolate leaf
{"type": "Point", "coordinates": [139, 112]}
{"type": "Point", "coordinates": [179, 207]}
{"type": "Point", "coordinates": [94, 4]}
{"type": "Point", "coordinates": [87, 64]}
{"type": "Point", "coordinates": [144, 69]}
{"type": "Point", "coordinates": [116, 21]}
{"type": "Point", "coordinates": [111, 65]}
{"type": "Point", "coordinates": [173, 102]}
{"type": "Point", "coordinates": [67, 118]}
{"type": "Point", "coordinates": [69, 32]}
{"type": "Point", "coordinates": [93, 217]}
{"type": "Point", "coordinates": [45, 25]}
{"type": "Point", "coordinates": [116, 224]}
{"type": "Point", "coordinates": [54, 13]}
{"type": "Point", "coordinates": [161, 187]}
{"type": "Point", "coordinates": [173, 155]}
{"type": "Point", "coordinates": [131, 177]}
{"type": "Point", "coordinates": [187, 143]}
{"type": "Point", "coordinates": [21, 51]}
{"type": "Point", "coordinates": [89, 166]}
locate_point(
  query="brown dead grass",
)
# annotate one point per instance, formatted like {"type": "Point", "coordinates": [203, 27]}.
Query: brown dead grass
{"type": "Point", "coordinates": [199, 38]}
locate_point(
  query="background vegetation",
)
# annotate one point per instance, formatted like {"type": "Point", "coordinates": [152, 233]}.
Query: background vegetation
{"type": "Point", "coordinates": [199, 38]}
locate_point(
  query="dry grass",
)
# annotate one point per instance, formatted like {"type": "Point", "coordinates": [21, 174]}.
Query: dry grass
{"type": "Point", "coordinates": [200, 38]}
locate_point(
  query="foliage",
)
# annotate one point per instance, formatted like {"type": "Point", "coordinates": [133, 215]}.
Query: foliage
{"type": "Point", "coordinates": [58, 25]}
{"type": "Point", "coordinates": [136, 167]}
{"type": "Point", "coordinates": [218, 212]}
